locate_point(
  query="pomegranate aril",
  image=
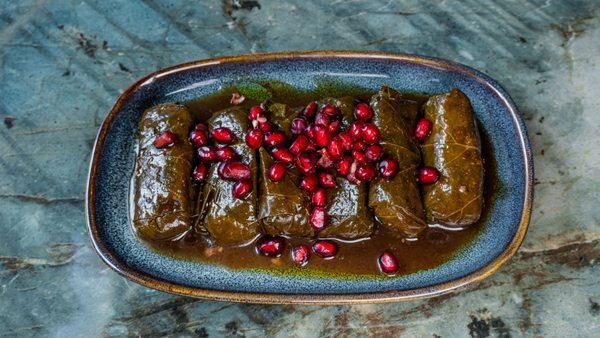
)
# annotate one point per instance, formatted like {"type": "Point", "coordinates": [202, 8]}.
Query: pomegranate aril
{"type": "Point", "coordinates": [322, 119]}
{"type": "Point", "coordinates": [300, 254]}
{"type": "Point", "coordinates": [388, 263]}
{"type": "Point", "coordinates": [166, 139]}
{"type": "Point", "coordinates": [310, 131]}
{"type": "Point", "coordinates": [325, 248]}
{"type": "Point", "coordinates": [234, 171]}
{"type": "Point", "coordinates": [343, 166]}
{"type": "Point", "coordinates": [374, 152]}
{"type": "Point", "coordinates": [388, 168]}
{"type": "Point", "coordinates": [226, 153]}
{"type": "Point", "coordinates": [254, 138]}
{"type": "Point", "coordinates": [223, 135]}
{"type": "Point", "coordinates": [198, 138]}
{"type": "Point", "coordinates": [355, 130]}
{"type": "Point", "coordinates": [346, 140]}
{"type": "Point", "coordinates": [329, 110]}
{"type": "Point", "coordinates": [319, 197]}
{"type": "Point", "coordinates": [423, 129]}
{"type": "Point", "coordinates": [359, 145]}
{"type": "Point", "coordinates": [318, 218]}
{"type": "Point", "coordinates": [283, 155]}
{"type": "Point", "coordinates": [370, 133]}
{"type": "Point", "coordinates": [277, 171]}
{"type": "Point", "coordinates": [200, 172]}
{"type": "Point", "coordinates": [207, 154]}
{"type": "Point", "coordinates": [310, 109]}
{"type": "Point", "coordinates": [201, 127]}
{"type": "Point", "coordinates": [363, 111]}
{"type": "Point", "coordinates": [271, 246]}
{"type": "Point", "coordinates": [308, 182]}
{"type": "Point", "coordinates": [306, 162]}
{"type": "Point", "coordinates": [333, 127]}
{"type": "Point", "coordinates": [299, 145]}
{"type": "Point", "coordinates": [275, 138]}
{"type": "Point", "coordinates": [428, 175]}
{"type": "Point", "coordinates": [242, 189]}
{"type": "Point", "coordinates": [298, 125]}
{"type": "Point", "coordinates": [265, 127]}
{"type": "Point", "coordinates": [365, 172]}
{"type": "Point", "coordinates": [327, 180]}
{"type": "Point", "coordinates": [255, 112]}
{"type": "Point", "coordinates": [322, 136]}
{"type": "Point", "coordinates": [359, 156]}
{"type": "Point", "coordinates": [335, 148]}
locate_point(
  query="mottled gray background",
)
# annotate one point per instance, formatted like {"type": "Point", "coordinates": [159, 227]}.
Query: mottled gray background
{"type": "Point", "coordinates": [63, 64]}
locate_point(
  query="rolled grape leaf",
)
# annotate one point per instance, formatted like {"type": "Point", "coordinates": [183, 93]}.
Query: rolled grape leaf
{"type": "Point", "coordinates": [163, 192]}
{"type": "Point", "coordinates": [228, 220]}
{"type": "Point", "coordinates": [454, 149]}
{"type": "Point", "coordinates": [397, 202]}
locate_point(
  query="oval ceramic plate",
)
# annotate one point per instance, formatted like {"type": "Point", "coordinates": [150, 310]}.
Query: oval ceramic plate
{"type": "Point", "coordinates": [113, 162]}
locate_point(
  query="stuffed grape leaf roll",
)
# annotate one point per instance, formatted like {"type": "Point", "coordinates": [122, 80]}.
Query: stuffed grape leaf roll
{"type": "Point", "coordinates": [162, 190]}
{"type": "Point", "coordinates": [454, 149]}
{"type": "Point", "coordinates": [397, 202]}
{"type": "Point", "coordinates": [228, 220]}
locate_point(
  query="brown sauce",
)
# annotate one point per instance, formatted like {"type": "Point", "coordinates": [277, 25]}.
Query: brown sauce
{"type": "Point", "coordinates": [434, 246]}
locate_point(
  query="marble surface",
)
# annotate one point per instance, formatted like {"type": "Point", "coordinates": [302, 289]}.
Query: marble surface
{"type": "Point", "coordinates": [63, 64]}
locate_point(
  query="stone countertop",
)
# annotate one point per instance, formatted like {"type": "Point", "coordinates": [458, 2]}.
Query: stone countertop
{"type": "Point", "coordinates": [64, 63]}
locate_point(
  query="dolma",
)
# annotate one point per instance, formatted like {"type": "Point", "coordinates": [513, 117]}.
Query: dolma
{"type": "Point", "coordinates": [397, 202]}
{"type": "Point", "coordinates": [349, 216]}
{"type": "Point", "coordinates": [454, 149]}
{"type": "Point", "coordinates": [163, 192]}
{"type": "Point", "coordinates": [226, 219]}
{"type": "Point", "coordinates": [283, 207]}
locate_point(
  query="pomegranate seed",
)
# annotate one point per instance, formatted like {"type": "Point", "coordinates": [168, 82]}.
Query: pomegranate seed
{"type": "Point", "coordinates": [265, 127]}
{"type": "Point", "coordinates": [165, 139]}
{"type": "Point", "coordinates": [300, 254]}
{"type": "Point", "coordinates": [325, 248]}
{"type": "Point", "coordinates": [283, 155]}
{"type": "Point", "coordinates": [370, 133]}
{"type": "Point", "coordinates": [234, 171]}
{"type": "Point", "coordinates": [299, 145]}
{"type": "Point", "coordinates": [346, 140]}
{"type": "Point", "coordinates": [236, 98]}
{"type": "Point", "coordinates": [226, 153]}
{"type": "Point", "coordinates": [366, 172]}
{"type": "Point", "coordinates": [318, 218]}
{"type": "Point", "coordinates": [359, 145]}
{"type": "Point", "coordinates": [333, 127]}
{"type": "Point", "coordinates": [310, 109]}
{"type": "Point", "coordinates": [311, 146]}
{"type": "Point", "coordinates": [198, 138]}
{"type": "Point", "coordinates": [201, 127]}
{"type": "Point", "coordinates": [310, 131]}
{"type": "Point", "coordinates": [319, 197]}
{"type": "Point", "coordinates": [298, 126]}
{"type": "Point", "coordinates": [322, 119]}
{"type": "Point", "coordinates": [306, 162]}
{"type": "Point", "coordinates": [254, 138]}
{"type": "Point", "coordinates": [271, 246]}
{"type": "Point", "coordinates": [223, 135]}
{"type": "Point", "coordinates": [374, 152]}
{"type": "Point", "coordinates": [322, 136]}
{"type": "Point", "coordinates": [308, 182]}
{"type": "Point", "coordinates": [359, 156]}
{"type": "Point", "coordinates": [277, 171]}
{"type": "Point", "coordinates": [428, 175]}
{"type": "Point", "coordinates": [335, 148]}
{"type": "Point", "coordinates": [330, 110]}
{"type": "Point", "coordinates": [327, 180]}
{"type": "Point", "coordinates": [423, 129]}
{"type": "Point", "coordinates": [355, 130]}
{"type": "Point", "coordinates": [275, 138]}
{"type": "Point", "coordinates": [388, 263]}
{"type": "Point", "coordinates": [388, 168]}
{"type": "Point", "coordinates": [207, 154]}
{"type": "Point", "coordinates": [200, 172]}
{"type": "Point", "coordinates": [242, 189]}
{"type": "Point", "coordinates": [363, 112]}
{"type": "Point", "coordinates": [255, 112]}
{"type": "Point", "coordinates": [343, 165]}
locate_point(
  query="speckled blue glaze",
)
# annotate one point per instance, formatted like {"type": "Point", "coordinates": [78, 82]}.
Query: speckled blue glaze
{"type": "Point", "coordinates": [491, 105]}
